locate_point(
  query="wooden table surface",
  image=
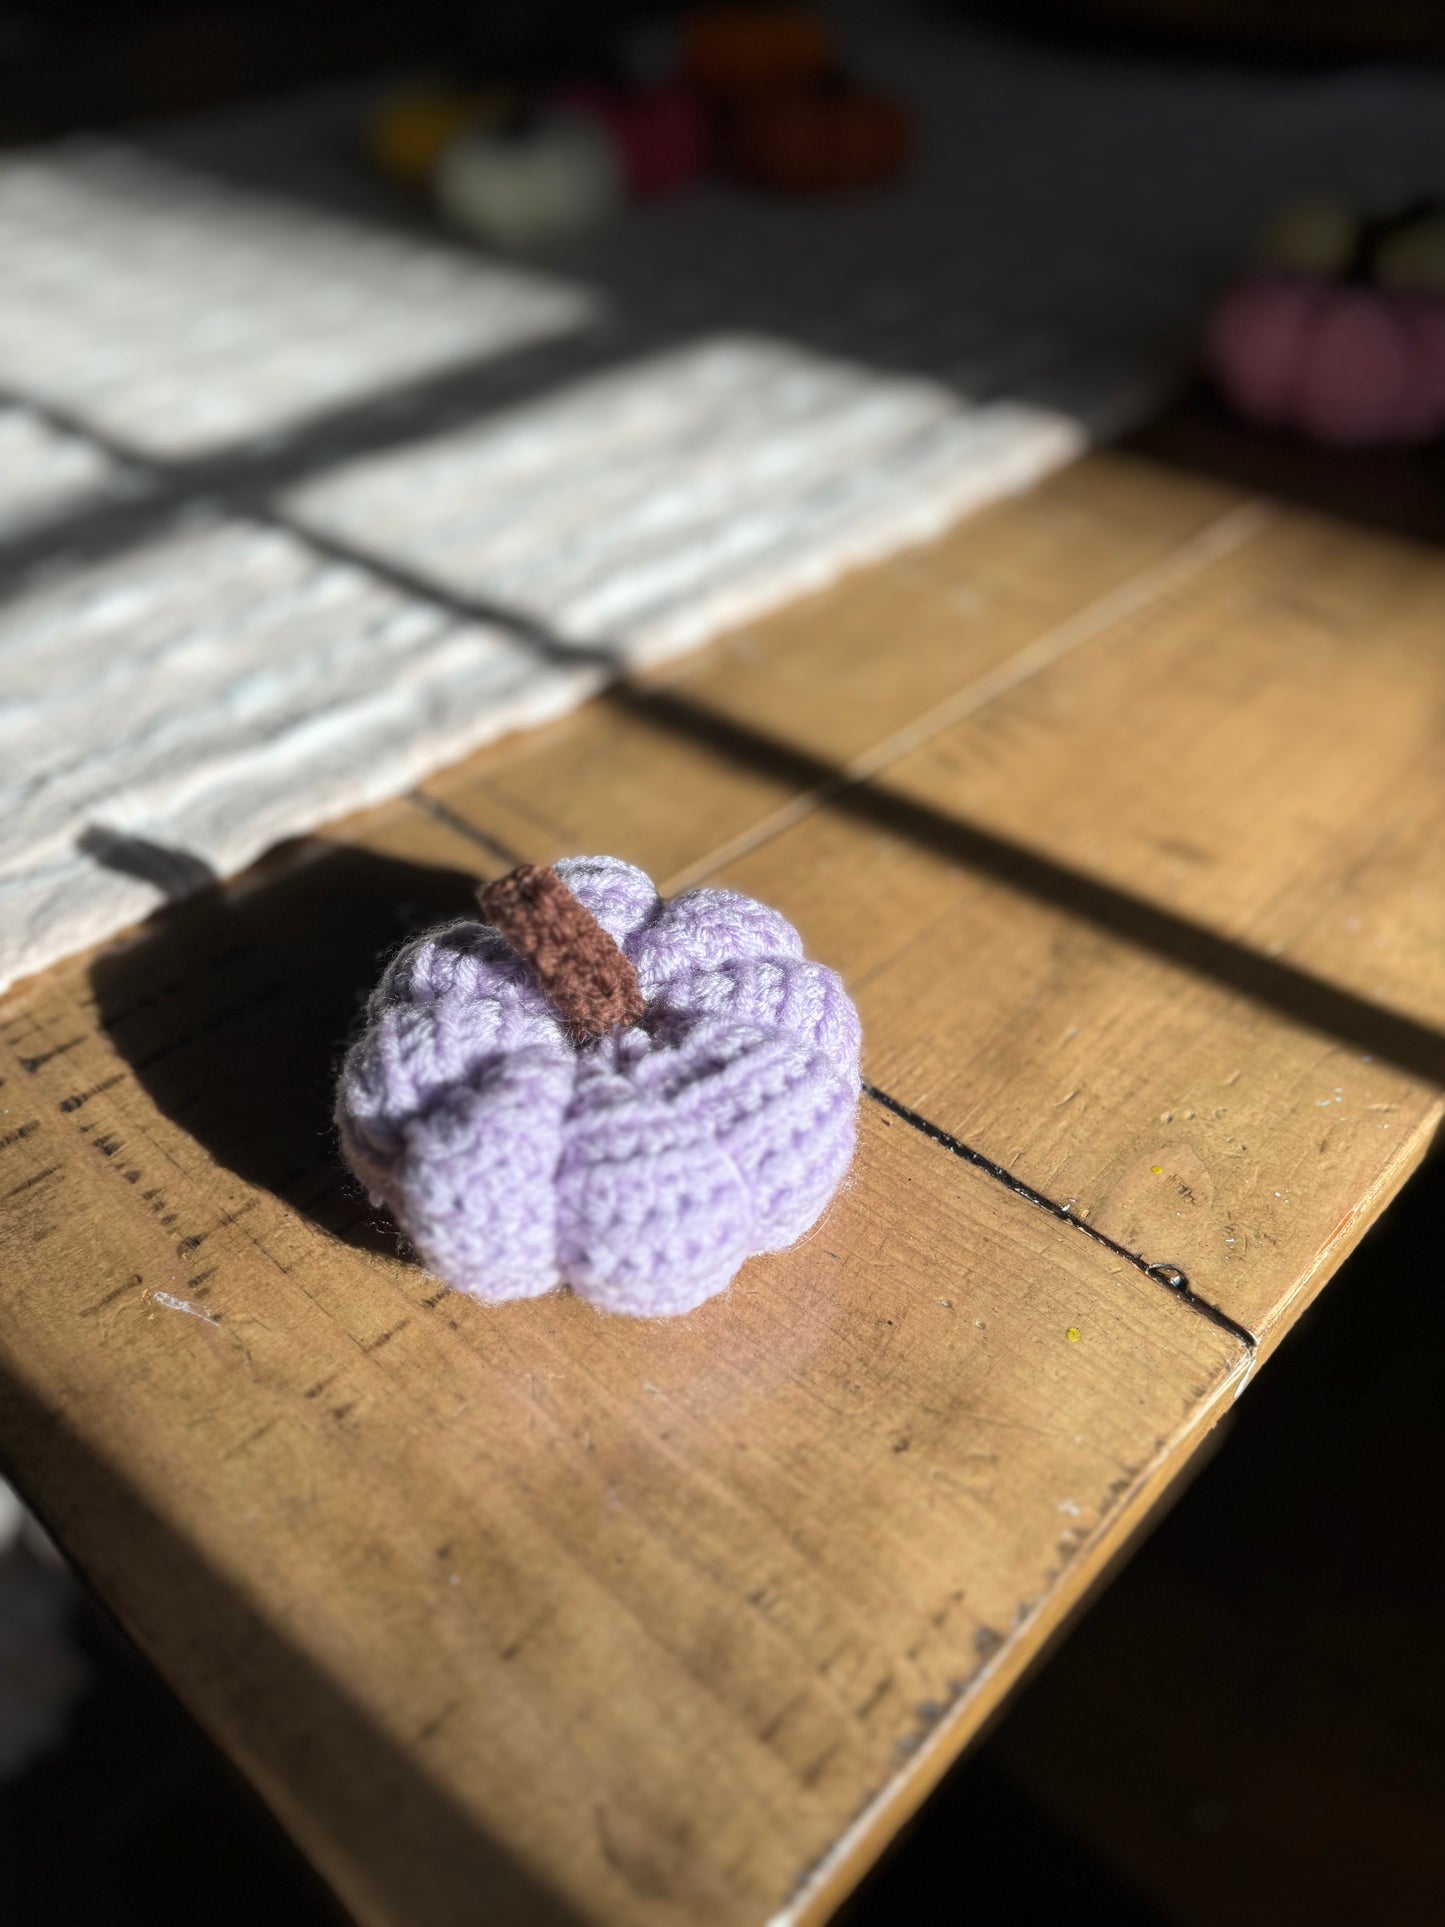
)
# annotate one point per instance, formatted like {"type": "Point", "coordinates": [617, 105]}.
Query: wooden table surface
{"type": "Point", "coordinates": [1122, 811]}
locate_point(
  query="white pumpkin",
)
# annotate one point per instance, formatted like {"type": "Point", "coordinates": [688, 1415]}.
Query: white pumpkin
{"type": "Point", "coordinates": [556, 174]}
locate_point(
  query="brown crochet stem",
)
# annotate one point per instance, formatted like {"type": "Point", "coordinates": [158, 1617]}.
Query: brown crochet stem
{"type": "Point", "coordinates": [579, 969]}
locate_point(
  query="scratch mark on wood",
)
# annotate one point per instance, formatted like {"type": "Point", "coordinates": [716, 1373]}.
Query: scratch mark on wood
{"type": "Point", "coordinates": [27, 1184]}
{"type": "Point", "coordinates": [172, 1303]}
{"type": "Point", "coordinates": [436, 1723]}
{"type": "Point", "coordinates": [246, 1443]}
{"type": "Point", "coordinates": [32, 1064]}
{"type": "Point", "coordinates": [110, 1297]}
{"type": "Point", "coordinates": [386, 1337]}
{"type": "Point", "coordinates": [79, 1098]}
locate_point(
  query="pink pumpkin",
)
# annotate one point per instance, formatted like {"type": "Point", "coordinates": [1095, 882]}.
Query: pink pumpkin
{"type": "Point", "coordinates": [1340, 362]}
{"type": "Point", "coordinates": [661, 134]}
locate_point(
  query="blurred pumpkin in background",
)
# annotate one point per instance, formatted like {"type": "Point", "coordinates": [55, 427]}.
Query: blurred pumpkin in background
{"type": "Point", "coordinates": [1341, 362]}
{"type": "Point", "coordinates": [819, 139]}
{"type": "Point", "coordinates": [540, 176]}
{"type": "Point", "coordinates": [410, 132]}
{"type": "Point", "coordinates": [1315, 236]}
{"type": "Point", "coordinates": [661, 133]}
{"type": "Point", "coordinates": [746, 49]}
{"type": "Point", "coordinates": [1341, 337]}
{"type": "Point", "coordinates": [1413, 255]}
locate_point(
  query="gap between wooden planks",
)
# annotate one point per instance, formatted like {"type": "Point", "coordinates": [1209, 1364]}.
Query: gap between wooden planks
{"type": "Point", "coordinates": [1265, 766]}
{"type": "Point", "coordinates": [1216, 832]}
{"type": "Point", "coordinates": [732, 739]}
{"type": "Point", "coordinates": [148, 1167]}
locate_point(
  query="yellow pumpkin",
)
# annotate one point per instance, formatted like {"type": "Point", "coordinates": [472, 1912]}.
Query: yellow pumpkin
{"type": "Point", "coordinates": [410, 131]}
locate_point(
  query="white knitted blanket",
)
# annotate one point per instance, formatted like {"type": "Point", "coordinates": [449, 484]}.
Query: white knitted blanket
{"type": "Point", "coordinates": [298, 502]}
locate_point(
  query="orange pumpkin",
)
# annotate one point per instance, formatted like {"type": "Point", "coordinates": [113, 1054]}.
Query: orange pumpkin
{"type": "Point", "coordinates": [739, 50]}
{"type": "Point", "coordinates": [817, 139]}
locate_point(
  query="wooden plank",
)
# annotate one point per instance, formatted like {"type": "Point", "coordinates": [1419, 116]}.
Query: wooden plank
{"type": "Point", "coordinates": [1250, 747]}
{"type": "Point", "coordinates": [688, 1558]}
{"type": "Point", "coordinates": [654, 770]}
{"type": "Point", "coordinates": [1163, 931]}
{"type": "Point", "coordinates": [526, 1612]}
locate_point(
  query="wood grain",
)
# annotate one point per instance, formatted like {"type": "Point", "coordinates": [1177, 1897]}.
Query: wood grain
{"type": "Point", "coordinates": [1162, 931]}
{"type": "Point", "coordinates": [538, 1615]}
{"type": "Point", "coordinates": [1132, 927]}
{"type": "Point", "coordinates": [661, 773]}
{"type": "Point", "coordinates": [493, 1605]}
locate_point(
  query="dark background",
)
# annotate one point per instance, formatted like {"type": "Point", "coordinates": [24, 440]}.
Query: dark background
{"type": "Point", "coordinates": [72, 63]}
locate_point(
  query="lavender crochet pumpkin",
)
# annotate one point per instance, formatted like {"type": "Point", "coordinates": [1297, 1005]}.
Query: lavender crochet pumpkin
{"type": "Point", "coordinates": [632, 1113]}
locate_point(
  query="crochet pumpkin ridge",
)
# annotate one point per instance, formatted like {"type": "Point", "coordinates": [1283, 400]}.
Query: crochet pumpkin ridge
{"type": "Point", "coordinates": [601, 1089]}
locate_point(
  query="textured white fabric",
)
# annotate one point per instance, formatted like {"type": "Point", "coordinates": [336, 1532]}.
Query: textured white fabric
{"type": "Point", "coordinates": [654, 505]}
{"type": "Point", "coordinates": [850, 376]}
{"type": "Point", "coordinates": [212, 693]}
{"type": "Point", "coordinates": [45, 473]}
{"type": "Point", "coordinates": [227, 685]}
{"type": "Point", "coordinates": [177, 315]}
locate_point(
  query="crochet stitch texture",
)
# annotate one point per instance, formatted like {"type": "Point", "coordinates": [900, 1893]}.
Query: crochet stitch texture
{"type": "Point", "coordinates": [641, 1168]}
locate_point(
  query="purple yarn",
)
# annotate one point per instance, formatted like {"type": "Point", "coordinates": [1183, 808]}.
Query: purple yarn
{"type": "Point", "coordinates": [641, 1170]}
